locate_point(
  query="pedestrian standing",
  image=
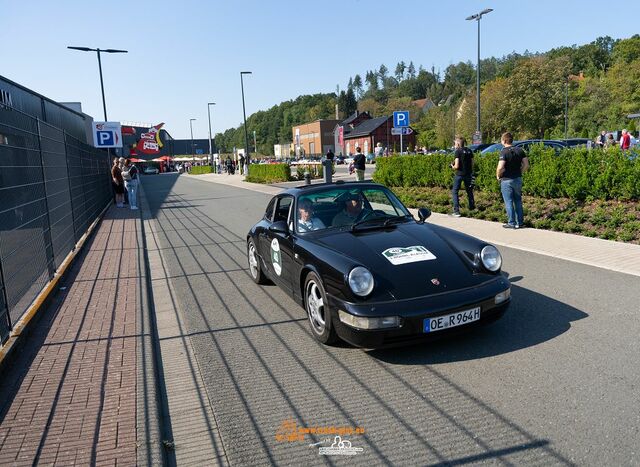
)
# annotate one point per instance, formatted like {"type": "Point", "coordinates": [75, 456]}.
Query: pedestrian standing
{"type": "Point", "coordinates": [118, 182]}
{"type": "Point", "coordinates": [130, 176]}
{"type": "Point", "coordinates": [602, 139]}
{"type": "Point", "coordinates": [359, 164]}
{"type": "Point", "coordinates": [513, 162]}
{"type": "Point", "coordinates": [463, 167]}
{"type": "Point", "coordinates": [610, 142]}
{"type": "Point", "coordinates": [625, 140]}
{"type": "Point", "coordinates": [241, 165]}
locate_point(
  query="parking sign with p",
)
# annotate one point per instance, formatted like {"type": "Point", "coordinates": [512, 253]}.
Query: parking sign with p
{"type": "Point", "coordinates": [107, 135]}
{"type": "Point", "coordinates": [400, 119]}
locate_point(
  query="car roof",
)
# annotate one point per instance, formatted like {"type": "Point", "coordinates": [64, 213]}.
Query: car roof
{"type": "Point", "coordinates": [316, 187]}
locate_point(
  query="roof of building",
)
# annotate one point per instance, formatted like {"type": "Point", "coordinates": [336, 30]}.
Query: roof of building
{"type": "Point", "coordinates": [367, 127]}
{"type": "Point", "coordinates": [352, 118]}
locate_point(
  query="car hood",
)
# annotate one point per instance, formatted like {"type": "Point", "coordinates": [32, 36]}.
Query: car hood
{"type": "Point", "coordinates": [408, 260]}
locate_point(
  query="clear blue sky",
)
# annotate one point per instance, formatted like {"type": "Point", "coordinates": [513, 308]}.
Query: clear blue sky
{"type": "Point", "coordinates": [183, 54]}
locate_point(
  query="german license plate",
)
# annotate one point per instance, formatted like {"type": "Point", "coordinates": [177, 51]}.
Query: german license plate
{"type": "Point", "coordinates": [451, 321]}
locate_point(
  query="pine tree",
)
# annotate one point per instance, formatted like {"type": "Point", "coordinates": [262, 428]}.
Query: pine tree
{"type": "Point", "coordinates": [357, 86]}
{"type": "Point", "coordinates": [400, 68]}
{"type": "Point", "coordinates": [411, 70]}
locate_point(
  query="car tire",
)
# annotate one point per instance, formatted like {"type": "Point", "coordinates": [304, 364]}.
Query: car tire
{"type": "Point", "coordinates": [254, 264]}
{"type": "Point", "coordinates": [315, 304]}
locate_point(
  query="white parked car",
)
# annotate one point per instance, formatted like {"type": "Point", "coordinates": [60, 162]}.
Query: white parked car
{"type": "Point", "coordinates": [150, 170]}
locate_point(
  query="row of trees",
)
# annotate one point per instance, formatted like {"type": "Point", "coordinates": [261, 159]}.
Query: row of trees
{"type": "Point", "coordinates": [523, 93]}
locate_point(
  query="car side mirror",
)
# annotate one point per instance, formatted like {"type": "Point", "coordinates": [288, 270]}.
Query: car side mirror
{"type": "Point", "coordinates": [279, 227]}
{"type": "Point", "coordinates": [423, 214]}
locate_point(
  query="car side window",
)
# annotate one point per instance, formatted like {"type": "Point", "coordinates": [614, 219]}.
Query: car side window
{"type": "Point", "coordinates": [283, 208]}
{"type": "Point", "coordinates": [268, 214]}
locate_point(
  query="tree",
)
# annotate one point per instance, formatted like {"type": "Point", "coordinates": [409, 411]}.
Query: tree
{"type": "Point", "coordinates": [400, 68]}
{"type": "Point", "coordinates": [534, 95]}
{"type": "Point", "coordinates": [411, 70]}
{"type": "Point", "coordinates": [627, 50]}
{"type": "Point", "coordinates": [350, 84]}
{"type": "Point", "coordinates": [357, 86]}
{"type": "Point", "coordinates": [382, 73]}
{"type": "Point", "coordinates": [372, 80]}
{"type": "Point", "coordinates": [351, 104]}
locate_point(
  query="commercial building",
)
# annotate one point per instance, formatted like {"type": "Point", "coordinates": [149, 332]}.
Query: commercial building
{"type": "Point", "coordinates": [315, 138]}
{"type": "Point", "coordinates": [345, 127]}
{"type": "Point", "coordinates": [282, 150]}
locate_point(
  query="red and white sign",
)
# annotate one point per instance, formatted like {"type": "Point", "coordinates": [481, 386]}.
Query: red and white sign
{"type": "Point", "coordinates": [150, 142]}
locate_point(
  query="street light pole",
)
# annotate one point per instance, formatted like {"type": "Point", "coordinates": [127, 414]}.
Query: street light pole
{"type": "Point", "coordinates": [209, 104]}
{"type": "Point", "coordinates": [193, 156]}
{"type": "Point", "coordinates": [244, 114]}
{"type": "Point", "coordinates": [477, 17]}
{"type": "Point", "coordinates": [255, 145]}
{"type": "Point", "coordinates": [109, 51]}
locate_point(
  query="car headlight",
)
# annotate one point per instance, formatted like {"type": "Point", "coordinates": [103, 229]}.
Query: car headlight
{"type": "Point", "coordinates": [491, 258]}
{"type": "Point", "coordinates": [361, 281]}
{"type": "Point", "coordinates": [361, 322]}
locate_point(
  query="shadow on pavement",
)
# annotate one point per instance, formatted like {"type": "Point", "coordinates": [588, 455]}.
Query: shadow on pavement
{"type": "Point", "coordinates": [531, 319]}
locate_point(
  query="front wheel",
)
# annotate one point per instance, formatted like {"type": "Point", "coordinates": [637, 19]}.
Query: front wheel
{"type": "Point", "coordinates": [315, 302]}
{"type": "Point", "coordinates": [254, 264]}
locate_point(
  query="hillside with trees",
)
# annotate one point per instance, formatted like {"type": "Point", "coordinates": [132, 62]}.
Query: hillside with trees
{"type": "Point", "coordinates": [523, 93]}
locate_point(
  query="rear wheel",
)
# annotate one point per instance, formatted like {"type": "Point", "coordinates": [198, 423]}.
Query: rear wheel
{"type": "Point", "coordinates": [315, 302]}
{"type": "Point", "coordinates": [254, 264]}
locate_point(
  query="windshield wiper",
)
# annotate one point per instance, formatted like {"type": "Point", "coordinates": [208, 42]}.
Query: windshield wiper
{"type": "Point", "coordinates": [396, 220]}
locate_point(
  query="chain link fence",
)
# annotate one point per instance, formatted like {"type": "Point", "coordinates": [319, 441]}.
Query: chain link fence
{"type": "Point", "coordinates": [52, 187]}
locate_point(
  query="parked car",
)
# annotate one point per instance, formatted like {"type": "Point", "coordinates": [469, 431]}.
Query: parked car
{"type": "Point", "coordinates": [378, 277]}
{"type": "Point", "coordinates": [371, 158]}
{"type": "Point", "coordinates": [573, 142]}
{"type": "Point", "coordinates": [526, 145]}
{"type": "Point", "coordinates": [339, 160]}
{"type": "Point", "coordinates": [151, 170]}
{"type": "Point", "coordinates": [479, 147]}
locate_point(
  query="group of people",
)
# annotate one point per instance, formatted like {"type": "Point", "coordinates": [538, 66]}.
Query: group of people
{"type": "Point", "coordinates": [511, 165]}
{"type": "Point", "coordinates": [606, 140]}
{"type": "Point", "coordinates": [125, 178]}
{"type": "Point", "coordinates": [230, 166]}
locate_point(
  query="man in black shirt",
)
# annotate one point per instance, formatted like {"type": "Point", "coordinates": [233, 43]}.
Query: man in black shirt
{"type": "Point", "coordinates": [359, 164]}
{"type": "Point", "coordinates": [513, 162]}
{"type": "Point", "coordinates": [463, 165]}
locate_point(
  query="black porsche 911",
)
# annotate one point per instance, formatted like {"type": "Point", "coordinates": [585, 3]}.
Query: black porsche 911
{"type": "Point", "coordinates": [367, 272]}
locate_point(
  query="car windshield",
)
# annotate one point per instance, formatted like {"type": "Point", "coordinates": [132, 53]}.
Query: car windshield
{"type": "Point", "coordinates": [348, 207]}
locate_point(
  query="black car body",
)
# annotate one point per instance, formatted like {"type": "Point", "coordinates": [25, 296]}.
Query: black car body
{"type": "Point", "coordinates": [426, 281]}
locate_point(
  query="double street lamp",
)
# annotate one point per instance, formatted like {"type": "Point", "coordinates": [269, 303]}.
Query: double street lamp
{"type": "Point", "coordinates": [191, 120]}
{"type": "Point", "coordinates": [477, 17]}
{"type": "Point", "coordinates": [244, 114]}
{"type": "Point", "coordinates": [108, 51]}
{"type": "Point", "coordinates": [209, 104]}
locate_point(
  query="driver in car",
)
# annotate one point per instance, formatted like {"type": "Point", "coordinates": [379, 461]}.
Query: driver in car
{"type": "Point", "coordinates": [306, 221]}
{"type": "Point", "coordinates": [352, 210]}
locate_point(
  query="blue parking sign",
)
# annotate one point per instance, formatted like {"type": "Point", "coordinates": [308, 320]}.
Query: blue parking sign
{"type": "Point", "coordinates": [105, 138]}
{"type": "Point", "coordinates": [400, 119]}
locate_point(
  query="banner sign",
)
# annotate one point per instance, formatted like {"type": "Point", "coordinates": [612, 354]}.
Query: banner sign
{"type": "Point", "coordinates": [150, 142]}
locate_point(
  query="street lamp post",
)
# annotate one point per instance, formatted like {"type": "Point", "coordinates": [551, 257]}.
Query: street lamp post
{"type": "Point", "coordinates": [477, 17]}
{"type": "Point", "coordinates": [193, 155]}
{"type": "Point", "coordinates": [244, 114]}
{"type": "Point", "coordinates": [255, 145]}
{"type": "Point", "coordinates": [108, 51]}
{"type": "Point", "coordinates": [209, 104]}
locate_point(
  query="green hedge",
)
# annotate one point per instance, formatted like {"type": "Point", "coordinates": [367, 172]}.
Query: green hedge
{"type": "Point", "coordinates": [201, 169]}
{"type": "Point", "coordinates": [316, 170]}
{"type": "Point", "coordinates": [578, 174]}
{"type": "Point", "coordinates": [269, 173]}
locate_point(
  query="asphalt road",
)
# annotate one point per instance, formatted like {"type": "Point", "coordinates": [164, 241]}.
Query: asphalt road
{"type": "Point", "coordinates": [556, 381]}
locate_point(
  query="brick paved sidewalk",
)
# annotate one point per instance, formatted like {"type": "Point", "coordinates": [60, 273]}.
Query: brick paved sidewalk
{"type": "Point", "coordinates": [80, 389]}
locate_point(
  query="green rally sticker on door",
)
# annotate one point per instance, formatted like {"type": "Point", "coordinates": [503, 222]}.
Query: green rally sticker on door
{"type": "Point", "coordinates": [276, 257]}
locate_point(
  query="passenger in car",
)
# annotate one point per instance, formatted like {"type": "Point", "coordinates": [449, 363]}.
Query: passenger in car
{"type": "Point", "coordinates": [306, 219]}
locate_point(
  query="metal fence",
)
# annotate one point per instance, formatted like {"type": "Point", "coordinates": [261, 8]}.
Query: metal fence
{"type": "Point", "coordinates": [52, 187]}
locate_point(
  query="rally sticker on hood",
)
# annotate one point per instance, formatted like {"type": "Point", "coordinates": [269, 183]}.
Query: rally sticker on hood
{"type": "Point", "coordinates": [407, 254]}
